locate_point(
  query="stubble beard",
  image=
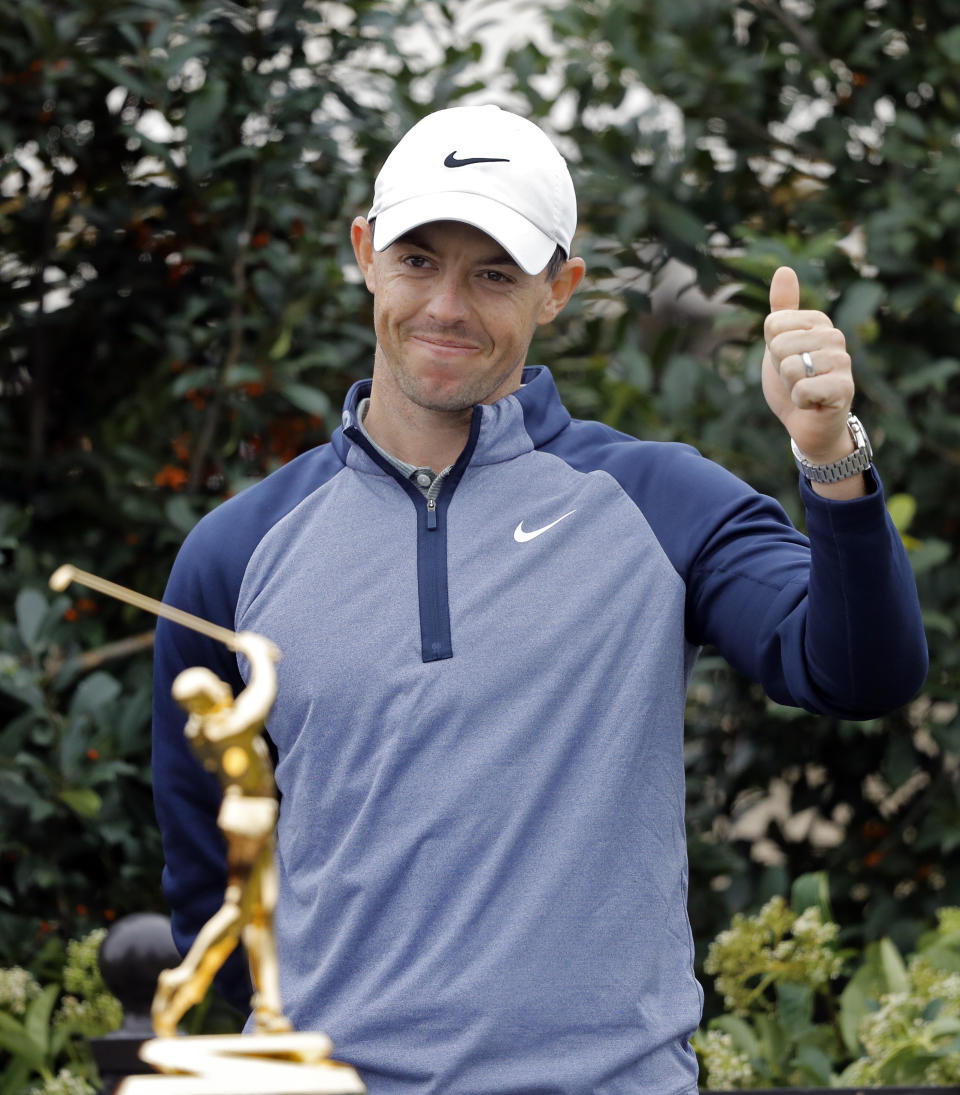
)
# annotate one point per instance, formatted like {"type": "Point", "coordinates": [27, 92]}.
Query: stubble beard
{"type": "Point", "coordinates": [455, 396]}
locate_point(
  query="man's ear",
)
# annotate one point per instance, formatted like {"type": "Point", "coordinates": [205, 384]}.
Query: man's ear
{"type": "Point", "coordinates": [361, 236]}
{"type": "Point", "coordinates": [560, 290]}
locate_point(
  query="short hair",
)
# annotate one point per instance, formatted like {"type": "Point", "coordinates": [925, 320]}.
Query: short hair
{"type": "Point", "coordinates": [555, 265]}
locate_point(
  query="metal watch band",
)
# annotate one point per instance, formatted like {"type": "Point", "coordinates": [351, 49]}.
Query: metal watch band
{"type": "Point", "coordinates": [858, 461]}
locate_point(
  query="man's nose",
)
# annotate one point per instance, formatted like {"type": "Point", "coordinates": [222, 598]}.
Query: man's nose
{"type": "Point", "coordinates": [449, 304]}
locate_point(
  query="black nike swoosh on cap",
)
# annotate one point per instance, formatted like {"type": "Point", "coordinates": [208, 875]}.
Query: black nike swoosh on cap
{"type": "Point", "coordinates": [452, 161]}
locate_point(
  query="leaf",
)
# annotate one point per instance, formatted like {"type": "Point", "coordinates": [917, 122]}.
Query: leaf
{"type": "Point", "coordinates": [855, 1003]}
{"type": "Point", "coordinates": [774, 1041]}
{"type": "Point", "coordinates": [815, 1065]}
{"type": "Point", "coordinates": [894, 970]}
{"type": "Point", "coordinates": [907, 1065]}
{"type": "Point", "coordinates": [740, 1032]}
{"type": "Point", "coordinates": [308, 399]}
{"type": "Point", "coordinates": [202, 120]}
{"type": "Point", "coordinates": [939, 621]}
{"type": "Point", "coordinates": [679, 384]}
{"type": "Point", "coordinates": [947, 1024]}
{"type": "Point", "coordinates": [38, 22]}
{"type": "Point", "coordinates": [949, 44]}
{"type": "Point", "coordinates": [13, 1079]}
{"type": "Point", "coordinates": [193, 47]}
{"type": "Point", "coordinates": [281, 347]}
{"type": "Point", "coordinates": [36, 1022]}
{"type": "Point", "coordinates": [120, 76]}
{"type": "Point", "coordinates": [180, 513]}
{"type": "Point", "coordinates": [677, 222]}
{"type": "Point", "coordinates": [812, 891]}
{"type": "Point", "coordinates": [15, 791]}
{"type": "Point", "coordinates": [902, 509]}
{"type": "Point", "coordinates": [193, 380]}
{"type": "Point", "coordinates": [794, 1006]}
{"type": "Point", "coordinates": [858, 305]}
{"type": "Point", "coordinates": [82, 800]}
{"type": "Point", "coordinates": [942, 955]}
{"type": "Point", "coordinates": [233, 156]}
{"type": "Point", "coordinates": [31, 608]}
{"type": "Point", "coordinates": [94, 693]}
{"type": "Point", "coordinates": [930, 555]}
{"type": "Point", "coordinates": [14, 1039]}
{"type": "Point", "coordinates": [936, 376]}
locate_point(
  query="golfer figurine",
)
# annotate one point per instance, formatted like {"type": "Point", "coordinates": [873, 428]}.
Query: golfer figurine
{"type": "Point", "coordinates": [225, 734]}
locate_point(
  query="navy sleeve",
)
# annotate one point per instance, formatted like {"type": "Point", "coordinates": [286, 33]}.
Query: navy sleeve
{"type": "Point", "coordinates": [831, 623]}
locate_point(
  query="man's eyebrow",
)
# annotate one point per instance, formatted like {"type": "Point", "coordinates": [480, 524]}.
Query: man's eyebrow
{"type": "Point", "coordinates": [501, 258]}
{"type": "Point", "coordinates": [417, 239]}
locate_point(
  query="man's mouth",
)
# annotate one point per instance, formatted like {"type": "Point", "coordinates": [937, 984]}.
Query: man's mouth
{"type": "Point", "coordinates": [445, 344]}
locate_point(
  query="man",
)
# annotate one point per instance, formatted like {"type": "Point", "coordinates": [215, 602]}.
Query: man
{"type": "Point", "coordinates": [488, 614]}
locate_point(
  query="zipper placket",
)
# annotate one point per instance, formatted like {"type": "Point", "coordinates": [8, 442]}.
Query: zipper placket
{"type": "Point", "coordinates": [433, 493]}
{"type": "Point", "coordinates": [432, 588]}
{"type": "Point", "coordinates": [435, 639]}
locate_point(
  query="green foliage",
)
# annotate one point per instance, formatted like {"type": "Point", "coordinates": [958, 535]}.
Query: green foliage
{"type": "Point", "coordinates": [789, 1024]}
{"type": "Point", "coordinates": [775, 947]}
{"type": "Point", "coordinates": [775, 971]}
{"type": "Point", "coordinates": [43, 1029]}
{"type": "Point", "coordinates": [78, 837]}
{"type": "Point", "coordinates": [87, 1006]}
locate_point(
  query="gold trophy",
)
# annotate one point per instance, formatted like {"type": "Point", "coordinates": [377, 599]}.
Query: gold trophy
{"type": "Point", "coordinates": [225, 734]}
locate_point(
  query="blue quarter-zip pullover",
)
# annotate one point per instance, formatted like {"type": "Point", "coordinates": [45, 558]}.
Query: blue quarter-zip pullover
{"type": "Point", "coordinates": [479, 730]}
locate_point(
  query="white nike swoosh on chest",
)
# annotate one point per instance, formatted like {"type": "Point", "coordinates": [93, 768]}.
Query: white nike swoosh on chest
{"type": "Point", "coordinates": [522, 537]}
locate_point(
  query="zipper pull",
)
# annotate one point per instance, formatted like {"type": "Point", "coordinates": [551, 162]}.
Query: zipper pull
{"type": "Point", "coordinates": [431, 513]}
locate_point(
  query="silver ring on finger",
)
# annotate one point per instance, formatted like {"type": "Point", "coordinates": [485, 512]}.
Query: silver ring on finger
{"type": "Point", "coordinates": [808, 369]}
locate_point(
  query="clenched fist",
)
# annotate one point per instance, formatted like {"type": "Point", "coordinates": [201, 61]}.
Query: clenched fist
{"type": "Point", "coordinates": [808, 379]}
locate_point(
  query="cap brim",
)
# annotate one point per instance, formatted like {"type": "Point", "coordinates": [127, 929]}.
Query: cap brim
{"type": "Point", "coordinates": [529, 248]}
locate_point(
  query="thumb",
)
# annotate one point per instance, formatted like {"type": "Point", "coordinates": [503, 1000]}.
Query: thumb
{"type": "Point", "coordinates": [784, 290]}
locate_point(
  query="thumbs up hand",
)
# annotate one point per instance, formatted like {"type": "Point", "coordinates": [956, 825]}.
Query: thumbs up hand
{"type": "Point", "coordinates": [807, 374]}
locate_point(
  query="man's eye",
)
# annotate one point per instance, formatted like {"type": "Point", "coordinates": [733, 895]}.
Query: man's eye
{"type": "Point", "coordinates": [416, 261]}
{"type": "Point", "coordinates": [496, 276]}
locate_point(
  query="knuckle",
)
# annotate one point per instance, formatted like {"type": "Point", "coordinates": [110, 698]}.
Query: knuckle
{"type": "Point", "coordinates": [780, 344]}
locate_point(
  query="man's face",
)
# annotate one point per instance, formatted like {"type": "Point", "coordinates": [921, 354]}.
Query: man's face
{"type": "Point", "coordinates": [454, 315]}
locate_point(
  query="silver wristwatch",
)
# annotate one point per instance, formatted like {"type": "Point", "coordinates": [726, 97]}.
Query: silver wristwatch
{"type": "Point", "coordinates": [858, 461]}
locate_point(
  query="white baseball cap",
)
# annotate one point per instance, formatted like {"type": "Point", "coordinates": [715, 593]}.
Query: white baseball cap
{"type": "Point", "coordinates": [483, 166]}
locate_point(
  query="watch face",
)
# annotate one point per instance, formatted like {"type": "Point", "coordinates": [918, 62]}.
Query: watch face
{"type": "Point", "coordinates": [859, 435]}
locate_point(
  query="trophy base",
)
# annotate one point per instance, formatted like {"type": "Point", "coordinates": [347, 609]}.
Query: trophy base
{"type": "Point", "coordinates": [295, 1063]}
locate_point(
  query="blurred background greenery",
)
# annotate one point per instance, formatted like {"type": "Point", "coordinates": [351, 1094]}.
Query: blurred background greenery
{"type": "Point", "coordinates": [179, 315]}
